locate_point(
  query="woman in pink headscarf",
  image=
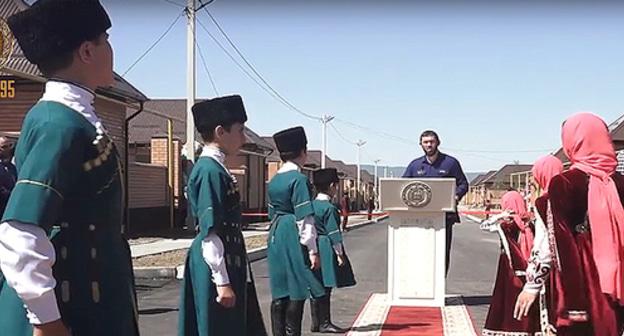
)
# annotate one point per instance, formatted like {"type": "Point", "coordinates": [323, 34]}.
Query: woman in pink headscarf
{"type": "Point", "coordinates": [540, 261]}
{"type": "Point", "coordinates": [516, 235]}
{"type": "Point", "coordinates": [587, 220]}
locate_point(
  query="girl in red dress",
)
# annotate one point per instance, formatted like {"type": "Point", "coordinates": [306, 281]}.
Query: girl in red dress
{"type": "Point", "coordinates": [540, 261]}
{"type": "Point", "coordinates": [516, 233]}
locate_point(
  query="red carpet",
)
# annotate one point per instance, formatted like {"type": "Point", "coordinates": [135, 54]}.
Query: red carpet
{"type": "Point", "coordinates": [379, 318]}
{"type": "Point", "coordinates": [413, 321]}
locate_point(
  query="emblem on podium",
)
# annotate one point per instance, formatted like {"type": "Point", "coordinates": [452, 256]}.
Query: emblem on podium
{"type": "Point", "coordinates": [416, 194]}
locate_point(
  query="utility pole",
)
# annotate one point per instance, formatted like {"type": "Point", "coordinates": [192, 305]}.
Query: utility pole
{"type": "Point", "coordinates": [376, 195]}
{"type": "Point", "coordinates": [190, 79]}
{"type": "Point", "coordinates": [325, 120]}
{"type": "Point", "coordinates": [359, 144]}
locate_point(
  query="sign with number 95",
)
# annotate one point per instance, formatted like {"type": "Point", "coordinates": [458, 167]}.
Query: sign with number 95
{"type": "Point", "coordinates": [7, 88]}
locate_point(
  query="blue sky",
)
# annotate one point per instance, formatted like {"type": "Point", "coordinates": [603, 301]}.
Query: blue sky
{"type": "Point", "coordinates": [494, 79]}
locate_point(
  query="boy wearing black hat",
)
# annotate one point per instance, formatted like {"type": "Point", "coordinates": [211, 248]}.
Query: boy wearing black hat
{"type": "Point", "coordinates": [335, 269]}
{"type": "Point", "coordinates": [214, 296]}
{"type": "Point", "coordinates": [292, 253]}
{"type": "Point", "coordinates": [66, 264]}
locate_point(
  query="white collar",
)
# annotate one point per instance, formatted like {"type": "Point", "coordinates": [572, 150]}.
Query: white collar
{"type": "Point", "coordinates": [288, 166]}
{"type": "Point", "coordinates": [217, 154]}
{"type": "Point", "coordinates": [323, 197]}
{"type": "Point", "coordinates": [76, 97]}
{"type": "Point", "coordinates": [213, 152]}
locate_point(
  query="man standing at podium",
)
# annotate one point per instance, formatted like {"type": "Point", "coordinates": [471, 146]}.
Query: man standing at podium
{"type": "Point", "coordinates": [436, 164]}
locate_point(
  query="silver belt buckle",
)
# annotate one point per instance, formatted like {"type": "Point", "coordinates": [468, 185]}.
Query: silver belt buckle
{"type": "Point", "coordinates": [581, 228]}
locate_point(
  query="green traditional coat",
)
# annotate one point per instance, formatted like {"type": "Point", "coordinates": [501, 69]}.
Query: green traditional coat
{"type": "Point", "coordinates": [290, 200]}
{"type": "Point", "coordinates": [70, 184]}
{"type": "Point", "coordinates": [215, 202]}
{"type": "Point", "coordinates": [327, 219]}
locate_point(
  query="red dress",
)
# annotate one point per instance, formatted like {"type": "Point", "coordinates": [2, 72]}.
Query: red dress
{"type": "Point", "coordinates": [577, 305]}
{"type": "Point", "coordinates": [509, 284]}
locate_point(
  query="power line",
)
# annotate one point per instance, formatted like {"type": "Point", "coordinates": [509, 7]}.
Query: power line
{"type": "Point", "coordinates": [154, 44]}
{"type": "Point", "coordinates": [203, 4]}
{"type": "Point", "coordinates": [478, 156]}
{"type": "Point", "coordinates": [246, 72]}
{"type": "Point", "coordinates": [294, 108]}
{"type": "Point", "coordinates": [410, 142]}
{"type": "Point", "coordinates": [253, 69]}
{"type": "Point", "coordinates": [378, 132]}
{"type": "Point", "coordinates": [175, 3]}
{"type": "Point", "coordinates": [370, 157]}
{"type": "Point", "coordinates": [500, 151]}
{"type": "Point", "coordinates": [242, 68]}
{"type": "Point", "coordinates": [414, 142]}
{"type": "Point", "coordinates": [341, 136]}
{"type": "Point", "coordinates": [201, 55]}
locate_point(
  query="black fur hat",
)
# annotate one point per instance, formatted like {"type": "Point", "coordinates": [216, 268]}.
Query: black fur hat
{"type": "Point", "coordinates": [52, 27]}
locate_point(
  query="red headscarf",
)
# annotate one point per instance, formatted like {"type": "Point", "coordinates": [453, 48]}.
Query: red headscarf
{"type": "Point", "coordinates": [513, 200]}
{"type": "Point", "coordinates": [587, 142]}
{"type": "Point", "coordinates": [544, 169]}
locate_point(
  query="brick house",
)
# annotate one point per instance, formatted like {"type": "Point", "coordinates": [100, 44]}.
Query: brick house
{"type": "Point", "coordinates": [148, 146]}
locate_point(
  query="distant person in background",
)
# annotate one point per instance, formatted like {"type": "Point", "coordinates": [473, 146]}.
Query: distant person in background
{"type": "Point", "coordinates": [344, 208]}
{"type": "Point", "coordinates": [8, 172]}
{"type": "Point", "coordinates": [371, 207]}
{"type": "Point", "coordinates": [437, 164]}
{"type": "Point", "coordinates": [7, 150]}
{"type": "Point", "coordinates": [488, 208]}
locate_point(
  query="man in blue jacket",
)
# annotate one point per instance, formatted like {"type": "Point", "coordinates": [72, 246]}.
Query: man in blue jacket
{"type": "Point", "coordinates": [437, 164]}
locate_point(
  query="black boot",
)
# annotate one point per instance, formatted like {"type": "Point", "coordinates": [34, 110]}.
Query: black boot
{"type": "Point", "coordinates": [326, 326]}
{"type": "Point", "coordinates": [314, 313]}
{"type": "Point", "coordinates": [278, 316]}
{"type": "Point", "coordinates": [294, 315]}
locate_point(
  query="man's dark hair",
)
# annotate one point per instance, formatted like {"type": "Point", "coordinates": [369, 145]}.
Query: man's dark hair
{"type": "Point", "coordinates": [208, 134]}
{"type": "Point", "coordinates": [288, 156]}
{"type": "Point", "coordinates": [51, 65]}
{"type": "Point", "coordinates": [430, 133]}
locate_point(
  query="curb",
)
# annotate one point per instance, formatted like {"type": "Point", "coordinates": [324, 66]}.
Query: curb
{"type": "Point", "coordinates": [253, 255]}
{"type": "Point", "coordinates": [474, 219]}
{"type": "Point", "coordinates": [155, 272]}
{"type": "Point", "coordinates": [257, 254]}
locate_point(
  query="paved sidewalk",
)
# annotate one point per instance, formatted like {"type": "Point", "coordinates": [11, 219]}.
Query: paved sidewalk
{"type": "Point", "coordinates": [167, 245]}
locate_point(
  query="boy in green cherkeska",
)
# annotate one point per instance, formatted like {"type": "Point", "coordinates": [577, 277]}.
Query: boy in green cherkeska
{"type": "Point", "coordinates": [336, 271]}
{"type": "Point", "coordinates": [292, 253]}
{"type": "Point", "coordinates": [67, 268]}
{"type": "Point", "coordinates": [215, 300]}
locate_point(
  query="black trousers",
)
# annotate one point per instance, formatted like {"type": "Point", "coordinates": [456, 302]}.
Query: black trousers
{"type": "Point", "coordinates": [449, 241]}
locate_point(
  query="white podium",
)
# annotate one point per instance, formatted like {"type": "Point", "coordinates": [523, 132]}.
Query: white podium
{"type": "Point", "coordinates": [417, 238]}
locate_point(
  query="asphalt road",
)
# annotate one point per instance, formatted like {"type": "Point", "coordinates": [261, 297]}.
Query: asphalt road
{"type": "Point", "coordinates": [472, 273]}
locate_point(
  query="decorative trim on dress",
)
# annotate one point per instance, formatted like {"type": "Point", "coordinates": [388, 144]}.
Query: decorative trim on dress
{"type": "Point", "coordinates": [487, 332]}
{"type": "Point", "coordinates": [578, 315]}
{"type": "Point", "coordinates": [552, 240]}
{"type": "Point", "coordinates": [40, 184]}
